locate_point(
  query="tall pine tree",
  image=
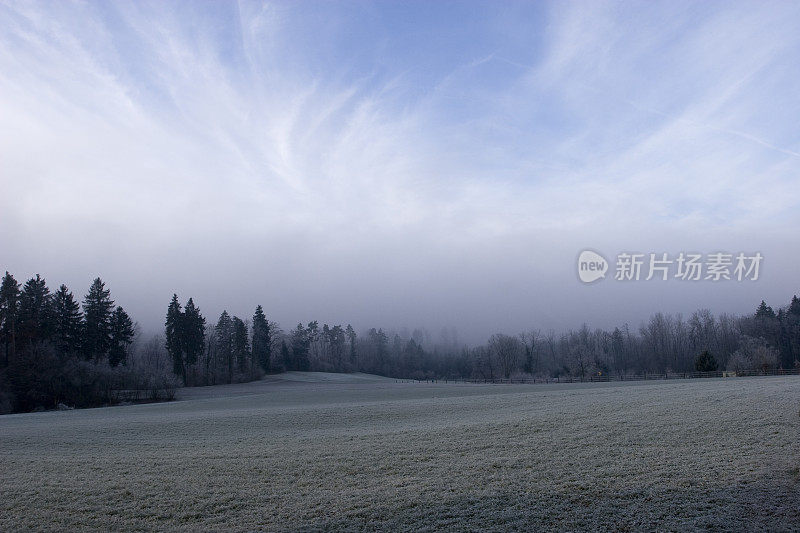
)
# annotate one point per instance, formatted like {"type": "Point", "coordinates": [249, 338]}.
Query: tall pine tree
{"type": "Point", "coordinates": [794, 306]}
{"type": "Point", "coordinates": [262, 340]}
{"type": "Point", "coordinates": [122, 332]}
{"type": "Point", "coordinates": [764, 311]}
{"type": "Point", "coordinates": [173, 331]}
{"type": "Point", "coordinates": [97, 309]}
{"type": "Point", "coordinates": [67, 322]}
{"type": "Point", "coordinates": [193, 332]}
{"type": "Point", "coordinates": [224, 334]}
{"type": "Point", "coordinates": [9, 314]}
{"type": "Point", "coordinates": [300, 346]}
{"type": "Point", "coordinates": [793, 331]}
{"type": "Point", "coordinates": [35, 311]}
{"type": "Point", "coordinates": [241, 345]}
{"type": "Point", "coordinates": [351, 340]}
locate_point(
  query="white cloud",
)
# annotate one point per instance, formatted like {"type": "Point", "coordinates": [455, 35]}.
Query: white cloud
{"type": "Point", "coordinates": [210, 148]}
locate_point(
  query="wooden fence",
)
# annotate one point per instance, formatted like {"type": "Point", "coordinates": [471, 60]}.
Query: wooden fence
{"type": "Point", "coordinates": [142, 395]}
{"type": "Point", "coordinates": [602, 378]}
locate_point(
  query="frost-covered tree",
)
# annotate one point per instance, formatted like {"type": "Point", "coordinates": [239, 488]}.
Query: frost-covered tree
{"type": "Point", "coordinates": [335, 340]}
{"type": "Point", "coordinates": [300, 345]}
{"type": "Point", "coordinates": [286, 356]}
{"type": "Point", "coordinates": [764, 311]}
{"type": "Point", "coordinates": [507, 351]}
{"type": "Point", "coordinates": [351, 342]}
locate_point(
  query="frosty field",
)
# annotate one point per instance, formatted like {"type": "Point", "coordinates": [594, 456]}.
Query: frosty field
{"type": "Point", "coordinates": [364, 453]}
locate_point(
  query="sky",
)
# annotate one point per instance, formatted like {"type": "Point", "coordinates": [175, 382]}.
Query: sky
{"type": "Point", "coordinates": [399, 164]}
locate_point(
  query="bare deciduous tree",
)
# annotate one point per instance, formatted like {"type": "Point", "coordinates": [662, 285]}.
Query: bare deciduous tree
{"type": "Point", "coordinates": [508, 351]}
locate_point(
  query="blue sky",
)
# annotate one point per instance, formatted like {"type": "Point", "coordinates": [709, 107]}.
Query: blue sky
{"type": "Point", "coordinates": [398, 163]}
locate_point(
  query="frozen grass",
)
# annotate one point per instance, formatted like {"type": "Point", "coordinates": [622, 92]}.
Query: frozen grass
{"type": "Point", "coordinates": [375, 455]}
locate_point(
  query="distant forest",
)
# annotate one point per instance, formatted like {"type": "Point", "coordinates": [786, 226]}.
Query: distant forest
{"type": "Point", "coordinates": [58, 352]}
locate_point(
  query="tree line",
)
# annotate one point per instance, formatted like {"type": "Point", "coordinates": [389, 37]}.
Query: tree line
{"type": "Point", "coordinates": [765, 340]}
{"type": "Point", "coordinates": [32, 314]}
{"type": "Point", "coordinates": [239, 350]}
{"type": "Point", "coordinates": [57, 350]}
{"type": "Point", "coordinates": [234, 349]}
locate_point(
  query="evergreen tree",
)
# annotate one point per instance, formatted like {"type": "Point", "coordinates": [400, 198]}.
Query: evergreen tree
{"type": "Point", "coordinates": [241, 345]}
{"type": "Point", "coordinates": [792, 320]}
{"type": "Point", "coordinates": [794, 306]}
{"type": "Point", "coordinates": [351, 339]}
{"type": "Point", "coordinates": [285, 356]}
{"type": "Point", "coordinates": [766, 324]}
{"type": "Point", "coordinates": [785, 347]}
{"type": "Point", "coordinates": [379, 342]}
{"type": "Point", "coordinates": [122, 332]}
{"type": "Point", "coordinates": [193, 332]}
{"type": "Point", "coordinates": [35, 311]}
{"type": "Point", "coordinates": [312, 336]}
{"type": "Point", "coordinates": [9, 314]}
{"type": "Point", "coordinates": [67, 322]}
{"type": "Point", "coordinates": [336, 341]}
{"type": "Point", "coordinates": [224, 334]}
{"type": "Point", "coordinates": [173, 331]}
{"type": "Point", "coordinates": [97, 309]}
{"type": "Point", "coordinates": [705, 362]}
{"type": "Point", "coordinates": [764, 311]}
{"type": "Point", "coordinates": [262, 340]}
{"type": "Point", "coordinates": [300, 345]}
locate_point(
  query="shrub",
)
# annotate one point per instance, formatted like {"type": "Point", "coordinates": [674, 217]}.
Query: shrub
{"type": "Point", "coordinates": [40, 377]}
{"type": "Point", "coordinates": [739, 361]}
{"type": "Point", "coordinates": [6, 397]}
{"type": "Point", "coordinates": [705, 362]}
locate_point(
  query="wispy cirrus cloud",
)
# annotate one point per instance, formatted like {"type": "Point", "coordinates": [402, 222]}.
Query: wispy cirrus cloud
{"type": "Point", "coordinates": [404, 164]}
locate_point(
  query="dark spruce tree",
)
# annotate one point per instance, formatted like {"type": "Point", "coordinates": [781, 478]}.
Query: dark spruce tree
{"type": "Point", "coordinates": [193, 332]}
{"type": "Point", "coordinates": [241, 345]}
{"type": "Point", "coordinates": [794, 306]}
{"type": "Point", "coordinates": [173, 332]}
{"type": "Point", "coordinates": [224, 338]}
{"type": "Point", "coordinates": [784, 341]}
{"type": "Point", "coordinates": [97, 309]}
{"type": "Point", "coordinates": [792, 322]}
{"type": "Point", "coordinates": [122, 332]}
{"type": "Point", "coordinates": [764, 311]}
{"type": "Point", "coordinates": [705, 362]}
{"type": "Point", "coordinates": [351, 340]}
{"type": "Point", "coordinates": [35, 311]}
{"type": "Point", "coordinates": [335, 339]}
{"type": "Point", "coordinates": [67, 322]}
{"type": "Point", "coordinates": [9, 314]}
{"type": "Point", "coordinates": [262, 340]}
{"type": "Point", "coordinates": [379, 342]}
{"type": "Point", "coordinates": [300, 345]}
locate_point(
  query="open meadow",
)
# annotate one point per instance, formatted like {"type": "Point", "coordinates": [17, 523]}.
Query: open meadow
{"type": "Point", "coordinates": [315, 452]}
